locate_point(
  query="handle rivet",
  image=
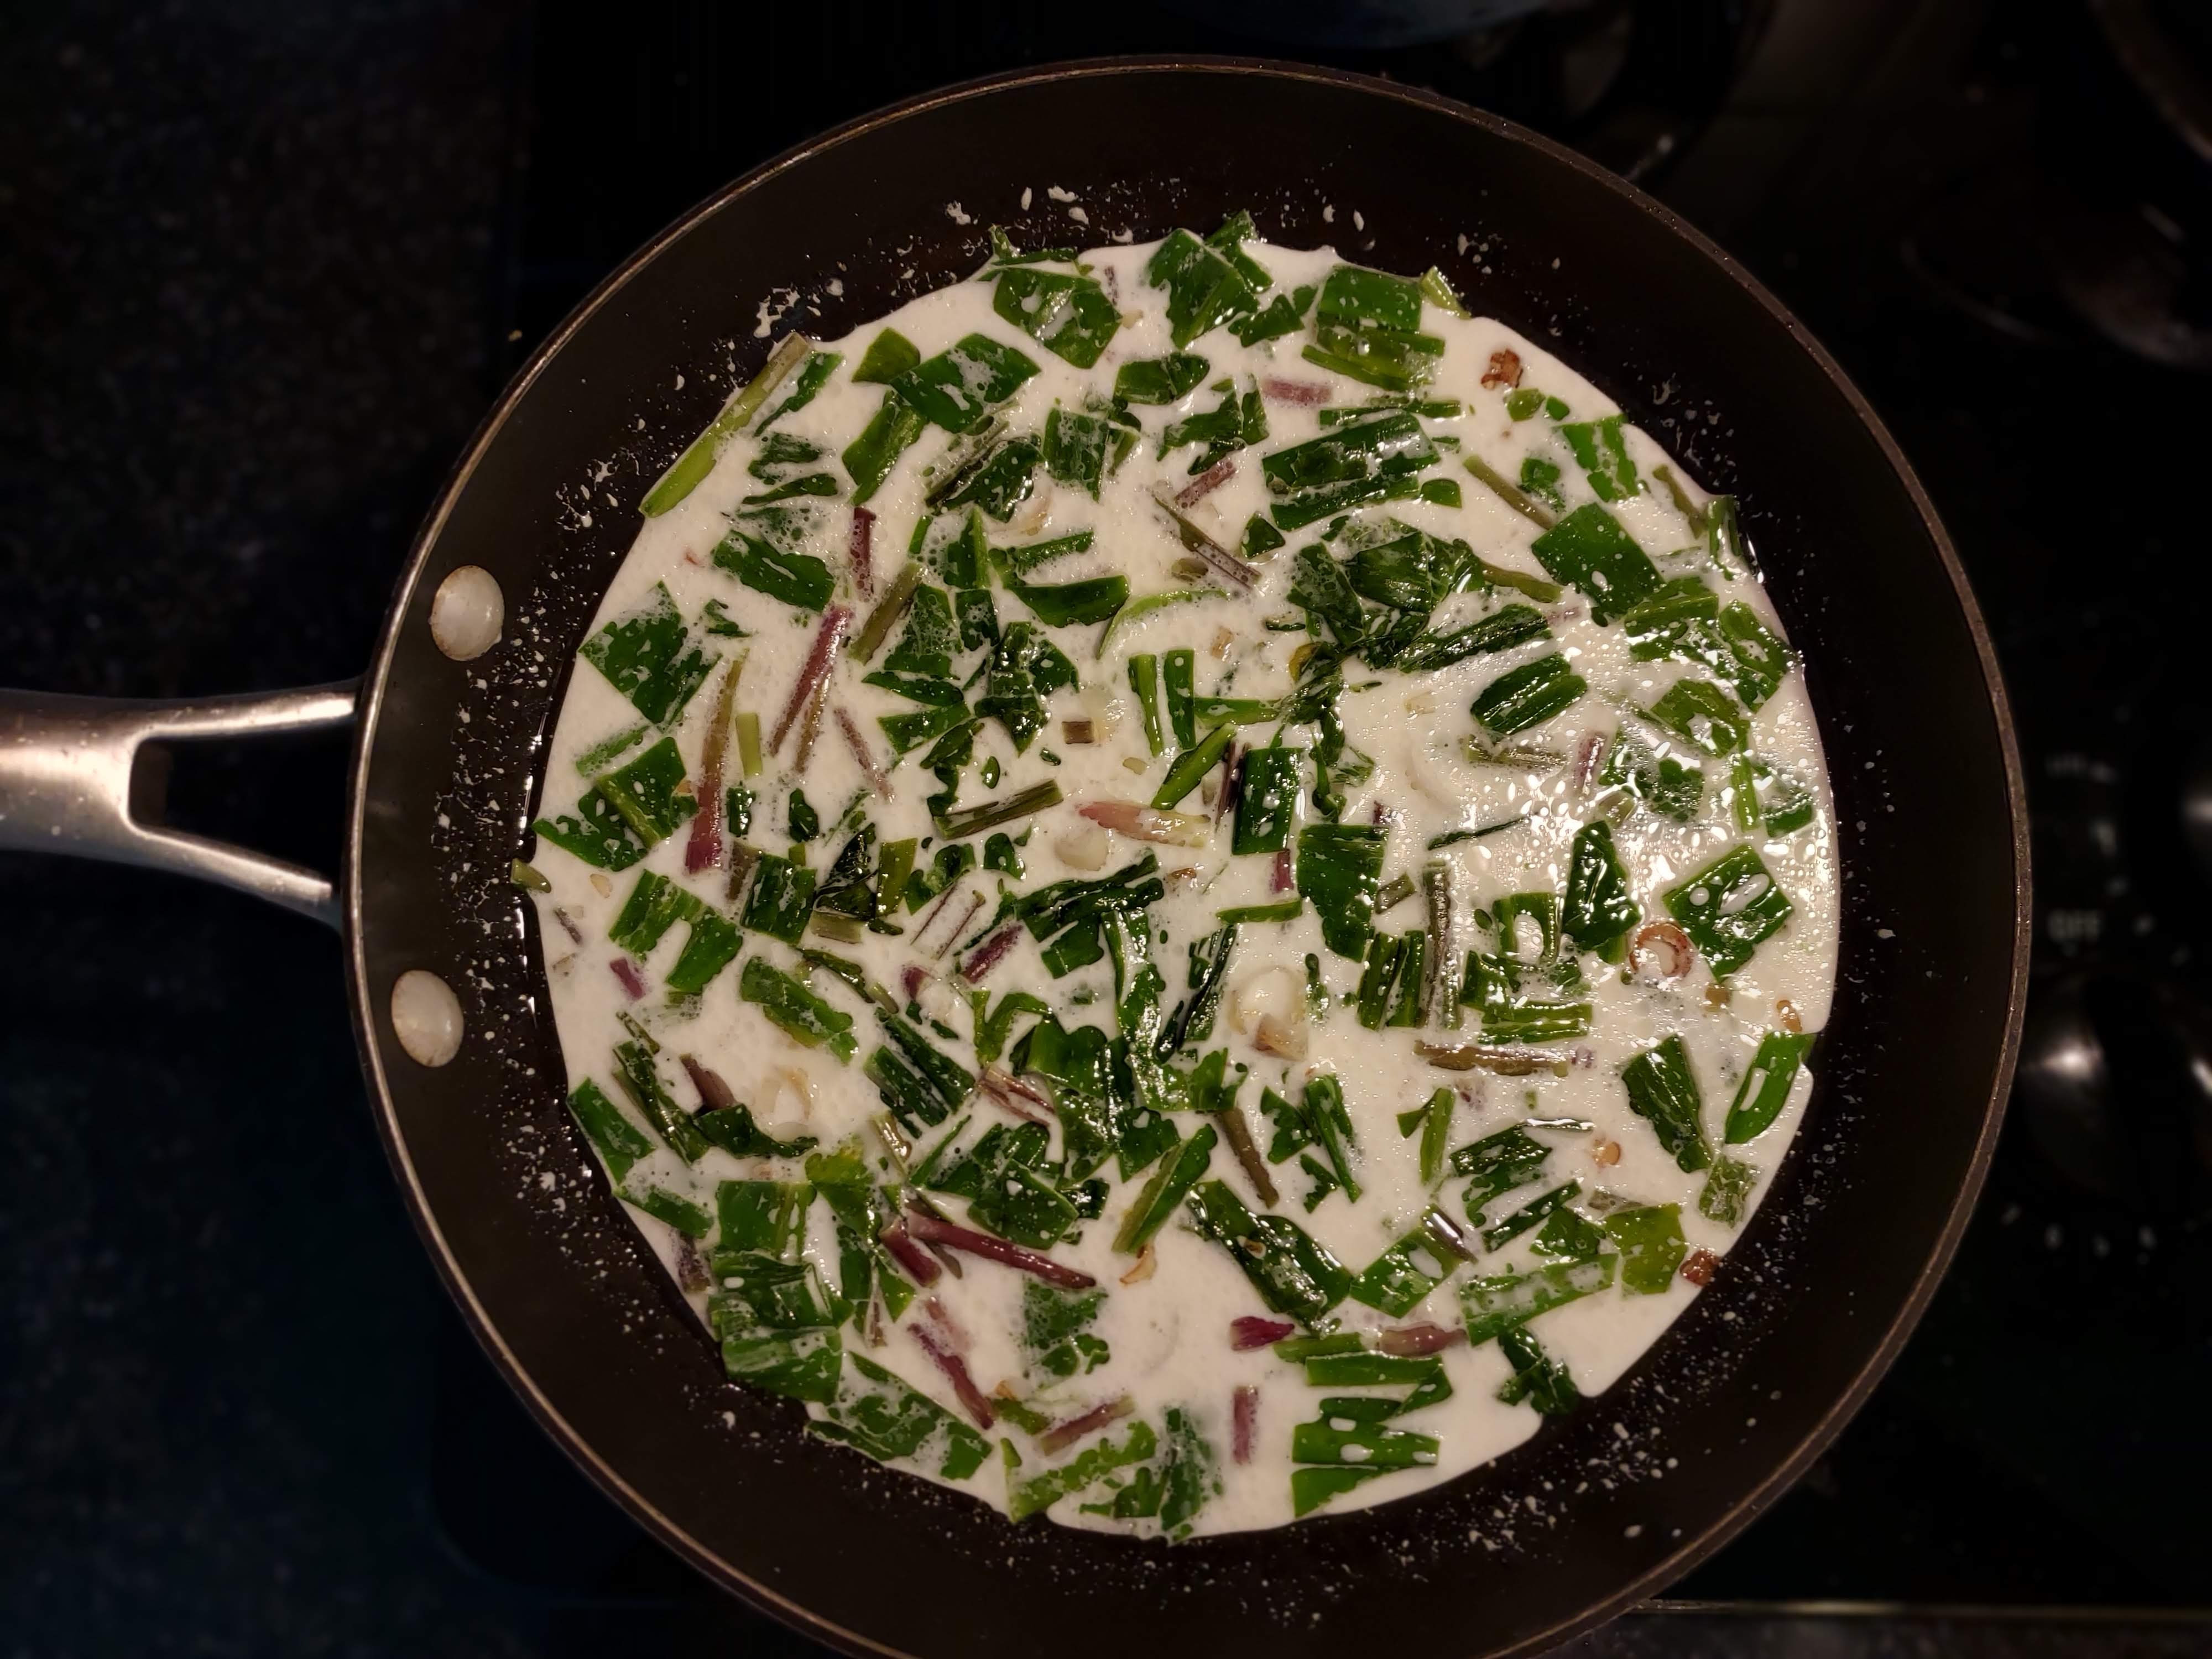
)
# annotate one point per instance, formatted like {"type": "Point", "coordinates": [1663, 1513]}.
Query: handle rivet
{"type": "Point", "coordinates": [426, 1017]}
{"type": "Point", "coordinates": [466, 611]}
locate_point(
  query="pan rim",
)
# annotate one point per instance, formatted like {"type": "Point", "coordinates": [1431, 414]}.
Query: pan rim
{"type": "Point", "coordinates": [367, 1017]}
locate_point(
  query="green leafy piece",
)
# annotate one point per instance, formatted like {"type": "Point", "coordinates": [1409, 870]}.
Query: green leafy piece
{"type": "Point", "coordinates": [1528, 497]}
{"type": "Point", "coordinates": [1330, 1126]}
{"type": "Point", "coordinates": [763, 1217]}
{"type": "Point", "coordinates": [1193, 1020]}
{"type": "Point", "coordinates": [1293, 1274]}
{"type": "Point", "coordinates": [1498, 1233]}
{"type": "Point", "coordinates": [1600, 908]}
{"type": "Point", "coordinates": [1017, 562]}
{"type": "Point", "coordinates": [804, 823]}
{"type": "Point", "coordinates": [1102, 1458]}
{"type": "Point", "coordinates": [1232, 424]}
{"type": "Point", "coordinates": [1164, 1194]}
{"type": "Point", "coordinates": [1145, 605]}
{"type": "Point", "coordinates": [799, 1365]}
{"type": "Point", "coordinates": [1523, 402]}
{"type": "Point", "coordinates": [888, 434]}
{"type": "Point", "coordinates": [1025, 669]}
{"type": "Point", "coordinates": [690, 469]}
{"type": "Point", "coordinates": [801, 1014]}
{"type": "Point", "coordinates": [1602, 454]}
{"type": "Point", "coordinates": [676, 1210]}
{"type": "Point", "coordinates": [1366, 325]}
{"type": "Point", "coordinates": [1371, 460]}
{"type": "Point", "coordinates": [909, 731]}
{"type": "Point", "coordinates": [875, 1412]}
{"type": "Point", "coordinates": [1528, 695]}
{"type": "Point", "coordinates": [1437, 288]}
{"type": "Point", "coordinates": [1156, 380]}
{"type": "Point", "coordinates": [1497, 1163]}
{"type": "Point", "coordinates": [813, 375]}
{"type": "Point", "coordinates": [732, 1128]}
{"type": "Point", "coordinates": [904, 1090]}
{"type": "Point", "coordinates": [1144, 682]}
{"type": "Point", "coordinates": [1765, 1087]}
{"type": "Point", "coordinates": [640, 1080]}
{"type": "Point", "coordinates": [1567, 1235]}
{"type": "Point", "coordinates": [1400, 1279]}
{"type": "Point", "coordinates": [619, 1143]}
{"type": "Point", "coordinates": [1001, 482]}
{"type": "Point", "coordinates": [1588, 550]}
{"type": "Point", "coordinates": [1268, 801]}
{"type": "Point", "coordinates": [1364, 1446]}
{"type": "Point", "coordinates": [1728, 908]}
{"type": "Point", "coordinates": [1385, 956]}
{"type": "Point", "coordinates": [644, 793]}
{"type": "Point", "coordinates": [1532, 1020]}
{"type": "Point", "coordinates": [930, 641]}
{"type": "Point", "coordinates": [1667, 786]}
{"type": "Point", "coordinates": [1703, 714]}
{"type": "Point", "coordinates": [1056, 1339]}
{"type": "Point", "coordinates": [947, 1078]}
{"type": "Point", "coordinates": [655, 905]}
{"type": "Point", "coordinates": [1433, 1118]}
{"type": "Point", "coordinates": [889, 356]}
{"type": "Point", "coordinates": [648, 655]}
{"type": "Point", "coordinates": [1494, 1305]}
{"type": "Point", "coordinates": [1206, 285]}
{"type": "Point", "coordinates": [1069, 604]}
{"type": "Point", "coordinates": [781, 899]}
{"type": "Point", "coordinates": [1537, 1378]}
{"type": "Point", "coordinates": [799, 578]}
{"type": "Point", "coordinates": [1340, 869]}
{"type": "Point", "coordinates": [1411, 572]}
{"type": "Point", "coordinates": [597, 834]}
{"type": "Point", "coordinates": [711, 946]}
{"type": "Point", "coordinates": [993, 1030]}
{"type": "Point", "coordinates": [1182, 697]}
{"type": "Point", "coordinates": [1068, 315]}
{"type": "Point", "coordinates": [605, 752]}
{"type": "Point", "coordinates": [1758, 659]}
{"type": "Point", "coordinates": [1285, 910]}
{"type": "Point", "coordinates": [1727, 1189]}
{"type": "Point", "coordinates": [1759, 795]}
{"type": "Point", "coordinates": [1190, 1476]}
{"type": "Point", "coordinates": [1503, 629]}
{"type": "Point", "coordinates": [1190, 767]}
{"type": "Point", "coordinates": [958, 388]}
{"type": "Point", "coordinates": [1650, 1238]}
{"type": "Point", "coordinates": [1663, 1092]}
{"type": "Point", "coordinates": [1084, 447]}
{"type": "Point", "coordinates": [1283, 315]}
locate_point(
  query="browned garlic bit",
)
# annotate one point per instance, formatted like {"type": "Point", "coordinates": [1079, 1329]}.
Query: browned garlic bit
{"type": "Point", "coordinates": [1661, 952]}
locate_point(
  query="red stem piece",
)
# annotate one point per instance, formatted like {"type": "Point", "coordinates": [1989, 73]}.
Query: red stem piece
{"type": "Point", "coordinates": [919, 1264]}
{"type": "Point", "coordinates": [855, 741]}
{"type": "Point", "coordinates": [956, 1371]}
{"type": "Point", "coordinates": [828, 639]}
{"type": "Point", "coordinates": [1060, 1437]}
{"type": "Point", "coordinates": [992, 952]}
{"type": "Point", "coordinates": [633, 982]}
{"type": "Point", "coordinates": [930, 1231]}
{"type": "Point", "coordinates": [1307, 394]}
{"type": "Point", "coordinates": [1244, 1412]}
{"type": "Point", "coordinates": [1207, 482]}
{"type": "Point", "coordinates": [861, 550]}
{"type": "Point", "coordinates": [714, 1095]}
{"type": "Point", "coordinates": [1250, 1331]}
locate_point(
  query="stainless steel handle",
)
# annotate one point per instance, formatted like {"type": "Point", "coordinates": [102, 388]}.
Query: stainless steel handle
{"type": "Point", "coordinates": [76, 777]}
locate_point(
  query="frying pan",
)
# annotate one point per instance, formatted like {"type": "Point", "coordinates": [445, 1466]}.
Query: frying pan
{"type": "Point", "coordinates": [1599, 1509]}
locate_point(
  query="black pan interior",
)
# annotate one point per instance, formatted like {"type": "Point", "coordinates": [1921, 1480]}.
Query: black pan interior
{"type": "Point", "coordinates": [1603, 1507]}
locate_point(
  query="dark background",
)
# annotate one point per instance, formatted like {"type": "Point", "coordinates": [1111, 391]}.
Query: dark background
{"type": "Point", "coordinates": [264, 263]}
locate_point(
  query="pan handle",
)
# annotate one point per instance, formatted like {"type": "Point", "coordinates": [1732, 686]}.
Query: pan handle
{"type": "Point", "coordinates": [87, 775]}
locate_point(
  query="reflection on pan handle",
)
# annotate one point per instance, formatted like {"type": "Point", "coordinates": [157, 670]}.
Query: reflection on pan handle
{"type": "Point", "coordinates": [86, 776]}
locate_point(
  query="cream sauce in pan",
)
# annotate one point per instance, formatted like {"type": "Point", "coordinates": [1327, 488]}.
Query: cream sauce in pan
{"type": "Point", "coordinates": [1635, 1209]}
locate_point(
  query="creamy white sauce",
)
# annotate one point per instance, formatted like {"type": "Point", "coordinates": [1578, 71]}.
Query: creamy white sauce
{"type": "Point", "coordinates": [1168, 1334]}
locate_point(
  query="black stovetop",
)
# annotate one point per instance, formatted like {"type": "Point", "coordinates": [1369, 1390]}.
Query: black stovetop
{"type": "Point", "coordinates": [272, 261]}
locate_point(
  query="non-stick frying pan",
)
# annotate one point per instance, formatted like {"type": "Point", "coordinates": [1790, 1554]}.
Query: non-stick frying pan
{"type": "Point", "coordinates": [1601, 1508]}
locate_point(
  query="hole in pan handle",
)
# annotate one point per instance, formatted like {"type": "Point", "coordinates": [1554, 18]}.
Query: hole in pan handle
{"type": "Point", "coordinates": [85, 776]}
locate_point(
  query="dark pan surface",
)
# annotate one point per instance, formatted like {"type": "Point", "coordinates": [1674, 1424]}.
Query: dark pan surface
{"type": "Point", "coordinates": [1600, 1508]}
